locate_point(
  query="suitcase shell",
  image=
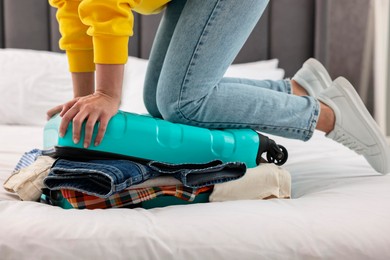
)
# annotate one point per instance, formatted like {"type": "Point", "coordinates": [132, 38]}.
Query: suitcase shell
{"type": "Point", "coordinates": [149, 138]}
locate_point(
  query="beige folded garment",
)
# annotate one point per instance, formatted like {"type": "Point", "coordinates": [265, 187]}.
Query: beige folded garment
{"type": "Point", "coordinates": [157, 182]}
{"type": "Point", "coordinates": [27, 183]}
{"type": "Point", "coordinates": [262, 182]}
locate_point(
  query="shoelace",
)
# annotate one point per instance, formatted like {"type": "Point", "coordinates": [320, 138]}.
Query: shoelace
{"type": "Point", "coordinates": [349, 141]}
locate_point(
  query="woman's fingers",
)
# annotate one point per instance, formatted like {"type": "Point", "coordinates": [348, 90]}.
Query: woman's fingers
{"type": "Point", "coordinates": [103, 122]}
{"type": "Point", "coordinates": [90, 121]}
{"type": "Point", "coordinates": [66, 118]}
{"type": "Point", "coordinates": [68, 105]}
{"type": "Point", "coordinates": [89, 126]}
{"type": "Point", "coordinates": [55, 110]}
{"type": "Point", "coordinates": [86, 111]}
{"type": "Point", "coordinates": [77, 124]}
{"type": "Point", "coordinates": [62, 109]}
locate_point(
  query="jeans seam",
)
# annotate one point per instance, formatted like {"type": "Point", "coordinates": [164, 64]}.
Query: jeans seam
{"type": "Point", "coordinates": [287, 83]}
{"type": "Point", "coordinates": [313, 121]}
{"type": "Point", "coordinates": [191, 63]}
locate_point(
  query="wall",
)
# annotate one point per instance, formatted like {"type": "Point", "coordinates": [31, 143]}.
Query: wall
{"type": "Point", "coordinates": [386, 66]}
{"type": "Point", "coordinates": [342, 42]}
{"type": "Point", "coordinates": [381, 65]}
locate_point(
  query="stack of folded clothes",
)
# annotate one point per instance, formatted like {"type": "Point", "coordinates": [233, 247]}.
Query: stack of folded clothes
{"type": "Point", "coordinates": [109, 183]}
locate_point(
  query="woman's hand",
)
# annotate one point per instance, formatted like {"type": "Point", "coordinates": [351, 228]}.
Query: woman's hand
{"type": "Point", "coordinates": [94, 108]}
{"type": "Point", "coordinates": [98, 107]}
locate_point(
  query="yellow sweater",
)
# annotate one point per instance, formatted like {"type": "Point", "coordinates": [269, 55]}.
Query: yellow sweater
{"type": "Point", "coordinates": [98, 31]}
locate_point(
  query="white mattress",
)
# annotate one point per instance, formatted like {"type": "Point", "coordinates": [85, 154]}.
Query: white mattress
{"type": "Point", "coordinates": [340, 210]}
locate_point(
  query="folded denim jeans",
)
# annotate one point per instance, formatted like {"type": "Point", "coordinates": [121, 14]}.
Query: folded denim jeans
{"type": "Point", "coordinates": [102, 178]}
{"type": "Point", "coordinates": [200, 175]}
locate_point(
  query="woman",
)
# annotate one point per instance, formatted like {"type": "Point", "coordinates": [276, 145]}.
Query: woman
{"type": "Point", "coordinates": [195, 44]}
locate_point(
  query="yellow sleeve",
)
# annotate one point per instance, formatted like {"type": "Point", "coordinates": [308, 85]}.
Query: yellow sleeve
{"type": "Point", "coordinates": [110, 25]}
{"type": "Point", "coordinates": [151, 6]}
{"type": "Point", "coordinates": [74, 39]}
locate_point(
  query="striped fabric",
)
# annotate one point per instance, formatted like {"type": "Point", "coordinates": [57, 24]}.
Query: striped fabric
{"type": "Point", "coordinates": [130, 197]}
{"type": "Point", "coordinates": [27, 159]}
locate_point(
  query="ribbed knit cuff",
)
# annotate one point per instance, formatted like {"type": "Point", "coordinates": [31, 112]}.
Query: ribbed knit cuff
{"type": "Point", "coordinates": [80, 61]}
{"type": "Point", "coordinates": [110, 50]}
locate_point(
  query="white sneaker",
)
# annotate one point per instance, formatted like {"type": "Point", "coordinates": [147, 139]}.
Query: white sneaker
{"type": "Point", "coordinates": [313, 77]}
{"type": "Point", "coordinates": [355, 128]}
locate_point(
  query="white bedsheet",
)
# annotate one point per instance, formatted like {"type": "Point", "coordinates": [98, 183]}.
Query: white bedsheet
{"type": "Point", "coordinates": [340, 210]}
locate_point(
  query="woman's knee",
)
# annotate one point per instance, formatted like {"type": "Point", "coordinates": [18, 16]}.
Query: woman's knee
{"type": "Point", "coordinates": [168, 107]}
{"type": "Point", "coordinates": [149, 98]}
{"type": "Point", "coordinates": [172, 107]}
{"type": "Point", "coordinates": [179, 100]}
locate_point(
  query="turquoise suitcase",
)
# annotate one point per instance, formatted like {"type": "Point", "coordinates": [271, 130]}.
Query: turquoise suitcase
{"type": "Point", "coordinates": [143, 137]}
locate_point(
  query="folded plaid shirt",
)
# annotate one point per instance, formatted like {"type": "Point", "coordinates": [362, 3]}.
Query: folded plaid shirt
{"type": "Point", "coordinates": [130, 197]}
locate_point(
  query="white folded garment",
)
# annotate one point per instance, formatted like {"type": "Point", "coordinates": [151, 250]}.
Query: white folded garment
{"type": "Point", "coordinates": [262, 182]}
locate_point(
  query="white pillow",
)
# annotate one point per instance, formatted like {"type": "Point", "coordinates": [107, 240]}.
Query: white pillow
{"type": "Point", "coordinates": [32, 82]}
{"type": "Point", "coordinates": [133, 85]}
{"type": "Point", "coordinates": [260, 70]}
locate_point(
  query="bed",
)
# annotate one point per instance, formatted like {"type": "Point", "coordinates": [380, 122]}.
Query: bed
{"type": "Point", "coordinates": [339, 206]}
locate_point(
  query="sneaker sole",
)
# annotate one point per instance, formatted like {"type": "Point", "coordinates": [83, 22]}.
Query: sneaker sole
{"type": "Point", "coordinates": [344, 86]}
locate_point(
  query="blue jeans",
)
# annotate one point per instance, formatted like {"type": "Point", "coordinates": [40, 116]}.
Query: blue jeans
{"type": "Point", "coordinates": [102, 178]}
{"type": "Point", "coordinates": [195, 44]}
